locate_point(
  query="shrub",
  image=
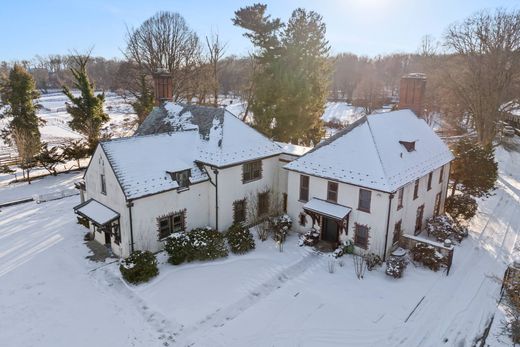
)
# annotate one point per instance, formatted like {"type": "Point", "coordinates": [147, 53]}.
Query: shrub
{"type": "Point", "coordinates": [310, 238]}
{"type": "Point", "coordinates": [372, 261]}
{"type": "Point", "coordinates": [395, 266]}
{"type": "Point", "coordinates": [428, 256]}
{"type": "Point", "coordinates": [461, 207]}
{"type": "Point", "coordinates": [444, 227]}
{"type": "Point", "coordinates": [139, 267]}
{"type": "Point", "coordinates": [281, 226]}
{"type": "Point", "coordinates": [198, 244]}
{"type": "Point", "coordinates": [240, 239]}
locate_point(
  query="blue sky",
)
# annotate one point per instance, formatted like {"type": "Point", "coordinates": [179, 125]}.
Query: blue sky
{"type": "Point", "coordinates": [367, 27]}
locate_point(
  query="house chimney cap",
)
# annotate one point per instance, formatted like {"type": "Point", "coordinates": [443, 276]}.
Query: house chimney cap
{"type": "Point", "coordinates": [161, 71]}
{"type": "Point", "coordinates": [415, 75]}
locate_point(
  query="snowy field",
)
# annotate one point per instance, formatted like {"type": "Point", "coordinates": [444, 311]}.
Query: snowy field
{"type": "Point", "coordinates": [50, 295]}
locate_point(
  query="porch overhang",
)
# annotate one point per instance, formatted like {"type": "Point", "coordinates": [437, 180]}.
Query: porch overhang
{"type": "Point", "coordinates": [96, 212]}
{"type": "Point", "coordinates": [327, 209]}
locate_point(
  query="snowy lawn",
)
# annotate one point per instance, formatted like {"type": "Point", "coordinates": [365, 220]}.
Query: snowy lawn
{"type": "Point", "coordinates": [50, 297]}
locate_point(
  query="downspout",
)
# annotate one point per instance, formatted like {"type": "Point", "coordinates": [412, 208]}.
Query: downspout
{"type": "Point", "coordinates": [129, 204]}
{"type": "Point", "coordinates": [215, 184]}
{"type": "Point", "coordinates": [390, 197]}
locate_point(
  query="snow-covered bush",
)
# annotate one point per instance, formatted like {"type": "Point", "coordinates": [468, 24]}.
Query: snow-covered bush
{"type": "Point", "coordinates": [240, 239]}
{"type": "Point", "coordinates": [280, 226]}
{"type": "Point", "coordinates": [395, 266]}
{"type": "Point", "coordinates": [345, 248]}
{"type": "Point", "coordinates": [444, 227]}
{"type": "Point", "coordinates": [198, 244]}
{"type": "Point", "coordinates": [428, 256]}
{"type": "Point", "coordinates": [139, 267]}
{"type": "Point", "coordinates": [461, 207]}
{"type": "Point", "coordinates": [372, 261]}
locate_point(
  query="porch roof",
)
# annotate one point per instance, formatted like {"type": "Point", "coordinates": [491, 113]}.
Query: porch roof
{"type": "Point", "coordinates": [327, 209]}
{"type": "Point", "coordinates": [96, 212]}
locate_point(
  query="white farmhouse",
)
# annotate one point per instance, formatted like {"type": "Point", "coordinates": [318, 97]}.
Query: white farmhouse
{"type": "Point", "coordinates": [380, 177]}
{"type": "Point", "coordinates": [193, 166]}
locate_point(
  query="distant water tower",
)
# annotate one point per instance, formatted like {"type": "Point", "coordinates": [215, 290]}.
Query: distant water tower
{"type": "Point", "coordinates": [411, 92]}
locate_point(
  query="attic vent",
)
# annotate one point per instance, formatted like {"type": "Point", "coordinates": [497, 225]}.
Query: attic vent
{"type": "Point", "coordinates": [409, 145]}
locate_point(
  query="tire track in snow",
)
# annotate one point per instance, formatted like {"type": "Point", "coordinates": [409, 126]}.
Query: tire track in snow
{"type": "Point", "coordinates": [219, 317]}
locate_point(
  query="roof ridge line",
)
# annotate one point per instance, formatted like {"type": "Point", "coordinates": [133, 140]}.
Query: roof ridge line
{"type": "Point", "coordinates": [378, 153]}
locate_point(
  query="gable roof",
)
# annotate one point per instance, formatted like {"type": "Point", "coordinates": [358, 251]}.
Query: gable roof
{"type": "Point", "coordinates": [224, 139]}
{"type": "Point", "coordinates": [368, 152]}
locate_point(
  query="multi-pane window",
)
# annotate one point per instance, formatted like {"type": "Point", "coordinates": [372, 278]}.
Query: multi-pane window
{"type": "Point", "coordinates": [397, 232]}
{"type": "Point", "coordinates": [441, 175]}
{"type": "Point", "coordinates": [171, 224]}
{"type": "Point", "coordinates": [239, 211]}
{"type": "Point", "coordinates": [419, 219]}
{"type": "Point", "coordinates": [361, 236]}
{"type": "Point", "coordinates": [437, 208]}
{"type": "Point", "coordinates": [304, 188]}
{"type": "Point", "coordinates": [332, 191]}
{"type": "Point", "coordinates": [116, 232]}
{"type": "Point", "coordinates": [263, 203]}
{"type": "Point", "coordinates": [284, 202]}
{"type": "Point", "coordinates": [416, 189]}
{"type": "Point", "coordinates": [400, 194]}
{"type": "Point", "coordinates": [103, 184]}
{"type": "Point", "coordinates": [302, 219]}
{"type": "Point", "coordinates": [365, 196]}
{"type": "Point", "coordinates": [251, 171]}
{"type": "Point", "coordinates": [430, 176]}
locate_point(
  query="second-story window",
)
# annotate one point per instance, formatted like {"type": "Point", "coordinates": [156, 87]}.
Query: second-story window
{"type": "Point", "coordinates": [416, 189]}
{"type": "Point", "coordinates": [441, 175]}
{"type": "Point", "coordinates": [304, 188]}
{"type": "Point", "coordinates": [365, 197]}
{"type": "Point", "coordinates": [332, 191]}
{"type": "Point", "coordinates": [251, 171]}
{"type": "Point", "coordinates": [103, 184]}
{"type": "Point", "coordinates": [430, 176]}
{"type": "Point", "coordinates": [400, 194]}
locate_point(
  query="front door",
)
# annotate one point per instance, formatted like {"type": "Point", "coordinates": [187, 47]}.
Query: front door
{"type": "Point", "coordinates": [107, 235]}
{"type": "Point", "coordinates": [329, 231]}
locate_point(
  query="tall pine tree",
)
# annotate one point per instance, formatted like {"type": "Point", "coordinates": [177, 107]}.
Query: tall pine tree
{"type": "Point", "coordinates": [19, 93]}
{"type": "Point", "coordinates": [87, 109]}
{"type": "Point", "coordinates": [291, 79]}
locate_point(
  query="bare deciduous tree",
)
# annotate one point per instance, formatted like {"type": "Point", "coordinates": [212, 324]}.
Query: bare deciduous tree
{"type": "Point", "coordinates": [216, 51]}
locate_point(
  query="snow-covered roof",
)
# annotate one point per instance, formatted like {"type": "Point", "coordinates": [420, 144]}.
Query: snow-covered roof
{"type": "Point", "coordinates": [368, 152]}
{"type": "Point", "coordinates": [96, 212]}
{"type": "Point", "coordinates": [142, 163]}
{"type": "Point", "coordinates": [326, 208]}
{"type": "Point", "coordinates": [296, 150]}
{"type": "Point", "coordinates": [224, 139]}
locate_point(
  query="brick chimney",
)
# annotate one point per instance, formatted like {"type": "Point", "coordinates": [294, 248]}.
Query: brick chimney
{"type": "Point", "coordinates": [411, 92]}
{"type": "Point", "coordinates": [162, 86]}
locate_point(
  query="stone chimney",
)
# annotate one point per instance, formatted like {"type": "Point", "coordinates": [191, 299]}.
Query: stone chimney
{"type": "Point", "coordinates": [162, 86]}
{"type": "Point", "coordinates": [411, 92]}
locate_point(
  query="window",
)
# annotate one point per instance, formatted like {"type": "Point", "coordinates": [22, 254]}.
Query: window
{"type": "Point", "coordinates": [303, 219]}
{"type": "Point", "coordinates": [251, 171]}
{"type": "Point", "coordinates": [364, 200]}
{"type": "Point", "coordinates": [304, 188]}
{"type": "Point", "coordinates": [183, 178]}
{"type": "Point", "coordinates": [419, 219]}
{"type": "Point", "coordinates": [116, 232]}
{"type": "Point", "coordinates": [171, 223]}
{"type": "Point", "coordinates": [409, 145]}
{"type": "Point", "coordinates": [441, 175]}
{"type": "Point", "coordinates": [263, 203]}
{"type": "Point", "coordinates": [437, 208]}
{"type": "Point", "coordinates": [416, 189]}
{"type": "Point", "coordinates": [239, 211]}
{"type": "Point", "coordinates": [285, 202]}
{"type": "Point", "coordinates": [430, 181]}
{"type": "Point", "coordinates": [397, 232]}
{"type": "Point", "coordinates": [361, 236]}
{"type": "Point", "coordinates": [332, 191]}
{"type": "Point", "coordinates": [400, 198]}
{"type": "Point", "coordinates": [103, 184]}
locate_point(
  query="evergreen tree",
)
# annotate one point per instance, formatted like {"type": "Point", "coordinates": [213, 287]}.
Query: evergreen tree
{"type": "Point", "coordinates": [75, 150]}
{"type": "Point", "coordinates": [87, 109]}
{"type": "Point", "coordinates": [144, 101]}
{"type": "Point", "coordinates": [49, 158]}
{"type": "Point", "coordinates": [291, 80]}
{"type": "Point", "coordinates": [19, 93]}
{"type": "Point", "coordinates": [474, 170]}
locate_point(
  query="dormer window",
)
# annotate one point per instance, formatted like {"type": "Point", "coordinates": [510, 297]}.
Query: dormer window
{"type": "Point", "coordinates": [409, 145]}
{"type": "Point", "coordinates": [181, 177]}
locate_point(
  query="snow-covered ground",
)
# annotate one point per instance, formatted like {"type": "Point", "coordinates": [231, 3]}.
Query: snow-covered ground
{"type": "Point", "coordinates": [50, 295]}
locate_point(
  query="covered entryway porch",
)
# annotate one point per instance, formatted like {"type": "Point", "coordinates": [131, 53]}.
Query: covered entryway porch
{"type": "Point", "coordinates": [104, 222]}
{"type": "Point", "coordinates": [332, 219]}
